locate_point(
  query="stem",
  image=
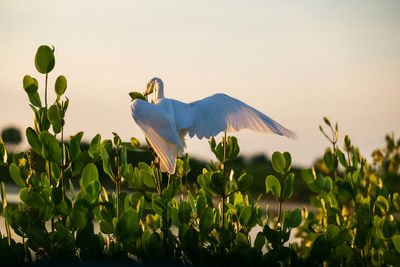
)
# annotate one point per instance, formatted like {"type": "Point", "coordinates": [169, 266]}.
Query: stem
{"type": "Point", "coordinates": [45, 92]}
{"type": "Point", "coordinates": [62, 163]}
{"type": "Point", "coordinates": [49, 174]}
{"type": "Point", "coordinates": [158, 181]}
{"type": "Point", "coordinates": [223, 197]}
{"type": "Point", "coordinates": [117, 197]}
{"type": "Point", "coordinates": [4, 199]}
{"type": "Point", "coordinates": [164, 216]}
{"type": "Point", "coordinates": [280, 209]}
{"type": "Point", "coordinates": [117, 187]}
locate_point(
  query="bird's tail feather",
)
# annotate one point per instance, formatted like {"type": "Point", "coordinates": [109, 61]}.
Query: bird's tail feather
{"type": "Point", "coordinates": [166, 151]}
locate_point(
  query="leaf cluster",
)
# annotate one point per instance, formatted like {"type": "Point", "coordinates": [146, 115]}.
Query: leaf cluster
{"type": "Point", "coordinates": [66, 213]}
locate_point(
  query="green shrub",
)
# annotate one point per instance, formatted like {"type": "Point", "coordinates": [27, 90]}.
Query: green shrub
{"type": "Point", "coordinates": [161, 219]}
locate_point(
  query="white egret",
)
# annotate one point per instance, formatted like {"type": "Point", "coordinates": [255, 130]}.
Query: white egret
{"type": "Point", "coordinates": [166, 122]}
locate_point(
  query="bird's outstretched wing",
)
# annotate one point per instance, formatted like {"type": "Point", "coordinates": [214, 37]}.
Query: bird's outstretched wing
{"type": "Point", "coordinates": [221, 112]}
{"type": "Point", "coordinates": [163, 137]}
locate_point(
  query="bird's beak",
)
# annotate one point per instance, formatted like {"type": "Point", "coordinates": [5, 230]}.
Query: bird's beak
{"type": "Point", "coordinates": [149, 89]}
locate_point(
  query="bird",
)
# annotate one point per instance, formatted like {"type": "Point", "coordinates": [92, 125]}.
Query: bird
{"type": "Point", "coordinates": [165, 122]}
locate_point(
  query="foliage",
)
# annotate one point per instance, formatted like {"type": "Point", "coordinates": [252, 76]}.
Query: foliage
{"type": "Point", "coordinates": [161, 218]}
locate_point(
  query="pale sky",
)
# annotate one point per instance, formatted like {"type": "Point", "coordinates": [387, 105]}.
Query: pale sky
{"type": "Point", "coordinates": [295, 61]}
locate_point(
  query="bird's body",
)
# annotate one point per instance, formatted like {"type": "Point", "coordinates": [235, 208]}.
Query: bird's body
{"type": "Point", "coordinates": [166, 122]}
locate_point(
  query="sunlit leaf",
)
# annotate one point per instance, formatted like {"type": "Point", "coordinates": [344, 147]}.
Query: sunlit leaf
{"type": "Point", "coordinates": [30, 84]}
{"type": "Point", "coordinates": [272, 185]}
{"type": "Point", "coordinates": [136, 95]}
{"type": "Point", "coordinates": [44, 59]}
{"type": "Point", "coordinates": [61, 85]}
{"type": "Point", "coordinates": [278, 162]}
{"type": "Point", "coordinates": [16, 175]}
{"type": "Point", "coordinates": [33, 140]}
{"type": "Point", "coordinates": [50, 147]}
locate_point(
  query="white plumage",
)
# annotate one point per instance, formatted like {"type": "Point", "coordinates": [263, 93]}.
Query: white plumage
{"type": "Point", "coordinates": [166, 122]}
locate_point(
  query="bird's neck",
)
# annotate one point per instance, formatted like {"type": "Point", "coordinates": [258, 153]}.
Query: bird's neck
{"type": "Point", "coordinates": [159, 91]}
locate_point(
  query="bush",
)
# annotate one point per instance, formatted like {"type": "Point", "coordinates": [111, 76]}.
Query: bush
{"type": "Point", "coordinates": [161, 219]}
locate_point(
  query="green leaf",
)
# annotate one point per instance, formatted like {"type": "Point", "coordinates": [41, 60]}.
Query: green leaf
{"type": "Point", "coordinates": [192, 201]}
{"type": "Point", "coordinates": [41, 121]}
{"type": "Point", "coordinates": [173, 215]}
{"type": "Point", "coordinates": [186, 164]}
{"type": "Point", "coordinates": [191, 239]}
{"type": "Point", "coordinates": [320, 249]}
{"type": "Point", "coordinates": [30, 84]}
{"type": "Point", "coordinates": [184, 212]}
{"type": "Point", "coordinates": [245, 181]}
{"type": "Point", "coordinates": [106, 160]}
{"type": "Point", "coordinates": [382, 203]}
{"type": "Point", "coordinates": [89, 175]}
{"type": "Point", "coordinates": [386, 229]}
{"type": "Point", "coordinates": [330, 160]}
{"type": "Point", "coordinates": [288, 161]}
{"type": "Point", "coordinates": [347, 142]}
{"type": "Point", "coordinates": [37, 237]}
{"type": "Point", "coordinates": [124, 158]}
{"type": "Point", "coordinates": [153, 221]}
{"type": "Point", "coordinates": [81, 215]}
{"type": "Point", "coordinates": [117, 139]}
{"type": "Point", "coordinates": [272, 185]}
{"type": "Point", "coordinates": [136, 95]}
{"type": "Point", "coordinates": [259, 242]}
{"type": "Point", "coordinates": [33, 140]}
{"type": "Point", "coordinates": [32, 198]}
{"type": "Point", "coordinates": [206, 221]}
{"type": "Point", "coordinates": [218, 150]}
{"type": "Point", "coordinates": [245, 215]}
{"type": "Point", "coordinates": [232, 148]}
{"type": "Point", "coordinates": [344, 251]}
{"type": "Point", "coordinates": [50, 147]}
{"type": "Point", "coordinates": [135, 143]}
{"type": "Point", "coordinates": [201, 203]}
{"type": "Point", "coordinates": [133, 177]}
{"type": "Point", "coordinates": [307, 176]}
{"type": "Point", "coordinates": [94, 149]}
{"type": "Point", "coordinates": [128, 224]}
{"type": "Point", "coordinates": [16, 175]}
{"type": "Point", "coordinates": [272, 236]}
{"type": "Point", "coordinates": [288, 186]}
{"type": "Point", "coordinates": [147, 175]}
{"type": "Point", "coordinates": [157, 204]}
{"type": "Point", "coordinates": [61, 85]}
{"type": "Point", "coordinates": [327, 121]}
{"type": "Point", "coordinates": [75, 146]}
{"type": "Point", "coordinates": [241, 240]}
{"type": "Point", "coordinates": [396, 201]}
{"type": "Point", "coordinates": [396, 242]}
{"type": "Point", "coordinates": [3, 152]}
{"type": "Point", "coordinates": [292, 219]}
{"type": "Point", "coordinates": [325, 183]}
{"type": "Point", "coordinates": [106, 227]}
{"type": "Point", "coordinates": [54, 117]}
{"type": "Point", "coordinates": [342, 158]}
{"type": "Point", "coordinates": [278, 162]}
{"type": "Point", "coordinates": [81, 162]}
{"type": "Point", "coordinates": [34, 98]}
{"type": "Point", "coordinates": [44, 59]}
{"type": "Point", "coordinates": [238, 202]}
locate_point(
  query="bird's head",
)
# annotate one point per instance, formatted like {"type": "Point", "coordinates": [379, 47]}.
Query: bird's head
{"type": "Point", "coordinates": [156, 87]}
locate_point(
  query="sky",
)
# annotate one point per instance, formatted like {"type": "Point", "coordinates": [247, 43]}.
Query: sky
{"type": "Point", "coordinates": [295, 61]}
